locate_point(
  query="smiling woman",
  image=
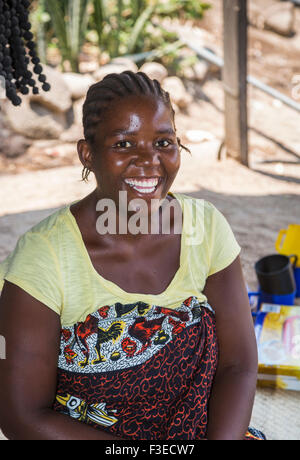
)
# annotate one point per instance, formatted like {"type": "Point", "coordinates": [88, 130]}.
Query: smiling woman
{"type": "Point", "coordinates": [129, 333]}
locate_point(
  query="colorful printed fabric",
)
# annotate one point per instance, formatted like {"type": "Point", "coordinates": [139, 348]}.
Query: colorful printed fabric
{"type": "Point", "coordinates": [254, 435]}
{"type": "Point", "coordinates": [140, 371]}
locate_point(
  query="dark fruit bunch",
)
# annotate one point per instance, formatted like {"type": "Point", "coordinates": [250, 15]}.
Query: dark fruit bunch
{"type": "Point", "coordinates": [17, 49]}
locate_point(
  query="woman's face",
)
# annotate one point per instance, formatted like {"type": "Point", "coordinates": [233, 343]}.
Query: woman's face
{"type": "Point", "coordinates": [136, 150]}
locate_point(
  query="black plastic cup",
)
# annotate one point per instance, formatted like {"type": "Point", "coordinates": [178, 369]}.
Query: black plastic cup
{"type": "Point", "coordinates": [275, 274]}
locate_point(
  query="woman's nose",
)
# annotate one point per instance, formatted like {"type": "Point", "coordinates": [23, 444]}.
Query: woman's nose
{"type": "Point", "coordinates": [147, 156]}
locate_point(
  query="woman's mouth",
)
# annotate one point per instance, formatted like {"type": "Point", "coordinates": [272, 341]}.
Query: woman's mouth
{"type": "Point", "coordinates": [144, 186]}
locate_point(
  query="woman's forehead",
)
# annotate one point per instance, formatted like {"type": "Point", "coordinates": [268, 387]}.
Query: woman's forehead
{"type": "Point", "coordinates": [138, 112]}
{"type": "Point", "coordinates": [149, 106]}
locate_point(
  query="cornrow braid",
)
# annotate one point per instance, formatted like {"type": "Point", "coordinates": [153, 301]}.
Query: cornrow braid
{"type": "Point", "coordinates": [17, 49]}
{"type": "Point", "coordinates": [115, 86]}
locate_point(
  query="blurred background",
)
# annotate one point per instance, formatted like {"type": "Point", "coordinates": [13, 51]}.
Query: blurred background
{"type": "Point", "coordinates": [250, 173]}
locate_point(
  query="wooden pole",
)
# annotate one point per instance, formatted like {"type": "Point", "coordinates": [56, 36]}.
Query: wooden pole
{"type": "Point", "coordinates": [235, 78]}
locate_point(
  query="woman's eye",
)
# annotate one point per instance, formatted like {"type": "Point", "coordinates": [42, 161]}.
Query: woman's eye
{"type": "Point", "coordinates": [163, 143]}
{"type": "Point", "coordinates": [123, 144]}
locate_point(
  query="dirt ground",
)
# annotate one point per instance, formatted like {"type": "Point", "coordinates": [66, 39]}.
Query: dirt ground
{"type": "Point", "coordinates": [272, 58]}
{"type": "Point", "coordinates": [258, 201]}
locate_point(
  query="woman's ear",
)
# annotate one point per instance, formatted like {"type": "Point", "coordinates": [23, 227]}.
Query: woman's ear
{"type": "Point", "coordinates": [85, 153]}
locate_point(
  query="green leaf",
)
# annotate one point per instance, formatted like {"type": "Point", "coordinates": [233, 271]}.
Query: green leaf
{"type": "Point", "coordinates": [139, 25]}
{"type": "Point", "coordinates": [73, 26]}
{"type": "Point", "coordinates": [99, 18]}
{"type": "Point", "coordinates": [58, 20]}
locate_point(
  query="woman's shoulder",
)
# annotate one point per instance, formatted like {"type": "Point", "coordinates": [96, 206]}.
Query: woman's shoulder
{"type": "Point", "coordinates": [38, 240]}
{"type": "Point", "coordinates": [51, 223]}
{"type": "Point", "coordinates": [34, 264]}
{"type": "Point", "coordinates": [197, 204]}
{"type": "Point", "coordinates": [186, 197]}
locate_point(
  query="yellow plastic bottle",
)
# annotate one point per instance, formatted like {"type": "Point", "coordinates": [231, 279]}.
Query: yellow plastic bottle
{"type": "Point", "coordinates": [288, 242]}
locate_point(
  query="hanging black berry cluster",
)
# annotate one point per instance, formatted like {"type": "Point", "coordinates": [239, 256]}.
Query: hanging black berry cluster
{"type": "Point", "coordinates": [17, 49]}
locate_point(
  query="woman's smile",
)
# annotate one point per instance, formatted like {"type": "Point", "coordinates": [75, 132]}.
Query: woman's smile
{"type": "Point", "coordinates": [144, 186]}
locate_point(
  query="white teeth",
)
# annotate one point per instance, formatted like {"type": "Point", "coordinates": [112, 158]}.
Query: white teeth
{"type": "Point", "coordinates": [149, 183]}
{"type": "Point", "coordinates": [144, 190]}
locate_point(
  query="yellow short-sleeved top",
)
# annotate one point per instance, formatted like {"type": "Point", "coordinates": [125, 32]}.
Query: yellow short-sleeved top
{"type": "Point", "coordinates": [51, 263]}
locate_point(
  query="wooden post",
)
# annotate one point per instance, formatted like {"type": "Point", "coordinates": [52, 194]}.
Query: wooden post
{"type": "Point", "coordinates": [235, 78]}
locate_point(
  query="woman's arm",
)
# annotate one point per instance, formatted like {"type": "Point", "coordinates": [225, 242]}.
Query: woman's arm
{"type": "Point", "coordinates": [28, 374]}
{"type": "Point", "coordinates": [234, 385]}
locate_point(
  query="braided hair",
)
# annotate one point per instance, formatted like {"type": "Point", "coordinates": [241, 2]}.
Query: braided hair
{"type": "Point", "coordinates": [115, 86]}
{"type": "Point", "coordinates": [16, 51]}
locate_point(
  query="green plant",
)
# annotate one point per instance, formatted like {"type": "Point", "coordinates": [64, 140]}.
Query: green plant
{"type": "Point", "coordinates": [69, 19]}
{"type": "Point", "coordinates": [185, 9]}
{"type": "Point", "coordinates": [118, 27]}
{"type": "Point", "coordinates": [40, 26]}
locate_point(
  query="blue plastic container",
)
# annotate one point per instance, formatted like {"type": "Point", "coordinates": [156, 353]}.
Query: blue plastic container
{"type": "Point", "coordinates": [263, 297]}
{"type": "Point", "coordinates": [297, 279]}
{"type": "Point", "coordinates": [282, 299]}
